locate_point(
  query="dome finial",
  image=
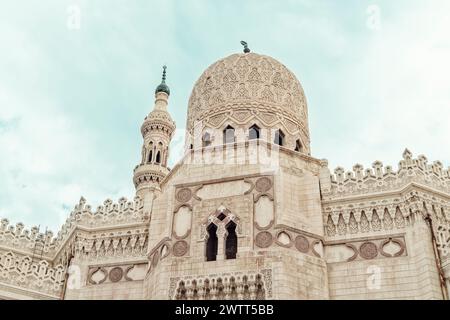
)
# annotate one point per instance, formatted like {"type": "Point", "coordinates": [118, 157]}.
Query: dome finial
{"type": "Point", "coordinates": [163, 87]}
{"type": "Point", "coordinates": [164, 74]}
{"type": "Point", "coordinates": [246, 49]}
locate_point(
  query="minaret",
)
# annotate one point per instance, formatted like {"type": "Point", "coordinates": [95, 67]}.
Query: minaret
{"type": "Point", "coordinates": [157, 131]}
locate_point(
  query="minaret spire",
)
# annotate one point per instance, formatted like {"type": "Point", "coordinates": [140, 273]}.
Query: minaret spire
{"type": "Point", "coordinates": [157, 131]}
{"type": "Point", "coordinates": [163, 87]}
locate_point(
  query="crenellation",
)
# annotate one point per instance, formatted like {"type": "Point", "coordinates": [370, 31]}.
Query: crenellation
{"type": "Point", "coordinates": [362, 181]}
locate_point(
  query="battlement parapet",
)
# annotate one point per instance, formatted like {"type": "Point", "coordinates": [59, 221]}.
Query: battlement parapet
{"type": "Point", "coordinates": [379, 179]}
{"type": "Point", "coordinates": [33, 243]}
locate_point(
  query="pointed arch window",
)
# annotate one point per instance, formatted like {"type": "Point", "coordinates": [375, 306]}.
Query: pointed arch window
{"type": "Point", "coordinates": [211, 243]}
{"type": "Point", "coordinates": [228, 135]}
{"type": "Point", "coordinates": [150, 156]}
{"type": "Point", "coordinates": [158, 157]}
{"type": "Point", "coordinates": [206, 139]}
{"type": "Point", "coordinates": [254, 132]}
{"type": "Point", "coordinates": [231, 241]}
{"type": "Point", "coordinates": [298, 146]}
{"type": "Point", "coordinates": [279, 137]}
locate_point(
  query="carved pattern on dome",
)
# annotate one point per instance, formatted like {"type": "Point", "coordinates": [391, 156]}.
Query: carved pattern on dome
{"type": "Point", "coordinates": [216, 120]}
{"type": "Point", "coordinates": [268, 118]}
{"type": "Point", "coordinates": [256, 82]}
{"type": "Point", "coordinates": [241, 115]}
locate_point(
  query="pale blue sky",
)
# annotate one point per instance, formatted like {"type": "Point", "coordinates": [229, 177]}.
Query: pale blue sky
{"type": "Point", "coordinates": [72, 100]}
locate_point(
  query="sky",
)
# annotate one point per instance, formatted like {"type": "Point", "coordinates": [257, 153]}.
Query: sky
{"type": "Point", "coordinates": [77, 79]}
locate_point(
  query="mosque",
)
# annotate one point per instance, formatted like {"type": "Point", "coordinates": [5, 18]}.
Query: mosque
{"type": "Point", "coordinates": [248, 212]}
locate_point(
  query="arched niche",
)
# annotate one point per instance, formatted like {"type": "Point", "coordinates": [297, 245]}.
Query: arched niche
{"type": "Point", "coordinates": [264, 213]}
{"type": "Point", "coordinates": [182, 221]}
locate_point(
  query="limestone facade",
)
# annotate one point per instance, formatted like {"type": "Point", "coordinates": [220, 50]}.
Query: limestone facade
{"type": "Point", "coordinates": [247, 213]}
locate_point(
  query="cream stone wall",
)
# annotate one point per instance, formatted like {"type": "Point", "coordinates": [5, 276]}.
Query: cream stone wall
{"type": "Point", "coordinates": [287, 250]}
{"type": "Point", "coordinates": [303, 232]}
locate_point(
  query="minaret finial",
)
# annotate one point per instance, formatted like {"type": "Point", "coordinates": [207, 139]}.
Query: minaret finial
{"type": "Point", "coordinates": [163, 87]}
{"type": "Point", "coordinates": [246, 49]}
{"type": "Point", "coordinates": [164, 74]}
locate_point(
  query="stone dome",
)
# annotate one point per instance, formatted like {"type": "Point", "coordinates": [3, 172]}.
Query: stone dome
{"type": "Point", "coordinates": [246, 88]}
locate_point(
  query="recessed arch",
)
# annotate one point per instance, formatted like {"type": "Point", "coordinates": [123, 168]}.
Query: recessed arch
{"type": "Point", "coordinates": [279, 137]}
{"type": "Point", "coordinates": [254, 132]}
{"type": "Point", "coordinates": [231, 244]}
{"type": "Point", "coordinates": [298, 146]}
{"type": "Point", "coordinates": [211, 243]}
{"type": "Point", "coordinates": [206, 139]}
{"type": "Point", "coordinates": [228, 134]}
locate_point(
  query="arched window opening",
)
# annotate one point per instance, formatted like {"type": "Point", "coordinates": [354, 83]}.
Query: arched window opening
{"type": "Point", "coordinates": [206, 139]}
{"type": "Point", "coordinates": [158, 157]}
{"type": "Point", "coordinates": [231, 241]}
{"type": "Point", "coordinates": [211, 244]}
{"type": "Point", "coordinates": [228, 134]}
{"type": "Point", "coordinates": [279, 137]}
{"type": "Point", "coordinates": [298, 146]}
{"type": "Point", "coordinates": [150, 156]}
{"type": "Point", "coordinates": [254, 132]}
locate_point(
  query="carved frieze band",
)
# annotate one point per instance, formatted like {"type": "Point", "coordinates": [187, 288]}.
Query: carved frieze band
{"type": "Point", "coordinates": [296, 240]}
{"type": "Point", "coordinates": [231, 285]}
{"type": "Point", "coordinates": [112, 274]}
{"type": "Point", "coordinates": [366, 249]}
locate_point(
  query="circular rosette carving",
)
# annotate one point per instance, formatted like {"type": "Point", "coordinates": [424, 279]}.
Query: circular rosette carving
{"type": "Point", "coordinates": [264, 239]}
{"type": "Point", "coordinates": [263, 184]}
{"type": "Point", "coordinates": [368, 250]}
{"type": "Point", "coordinates": [180, 248]}
{"type": "Point", "coordinates": [184, 195]}
{"type": "Point", "coordinates": [302, 244]}
{"type": "Point", "coordinates": [116, 274]}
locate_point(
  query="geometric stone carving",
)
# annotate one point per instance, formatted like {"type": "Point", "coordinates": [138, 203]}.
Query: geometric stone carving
{"type": "Point", "coordinates": [98, 276]}
{"type": "Point", "coordinates": [392, 248]}
{"type": "Point", "coordinates": [184, 195]}
{"type": "Point", "coordinates": [302, 244]}
{"type": "Point", "coordinates": [284, 239]}
{"type": "Point", "coordinates": [116, 274]}
{"type": "Point", "coordinates": [368, 250]}
{"type": "Point", "coordinates": [264, 239]}
{"type": "Point", "coordinates": [223, 189]}
{"type": "Point", "coordinates": [263, 184]}
{"type": "Point", "coordinates": [237, 286]}
{"type": "Point", "coordinates": [180, 248]}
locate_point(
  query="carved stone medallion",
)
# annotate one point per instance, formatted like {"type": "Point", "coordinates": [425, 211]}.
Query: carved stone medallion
{"type": "Point", "coordinates": [302, 244]}
{"type": "Point", "coordinates": [368, 250]}
{"type": "Point", "coordinates": [263, 184]}
{"type": "Point", "coordinates": [180, 248]}
{"type": "Point", "coordinates": [264, 239]}
{"type": "Point", "coordinates": [184, 195]}
{"type": "Point", "coordinates": [116, 274]}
